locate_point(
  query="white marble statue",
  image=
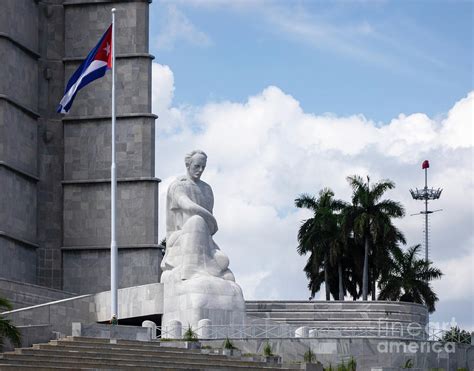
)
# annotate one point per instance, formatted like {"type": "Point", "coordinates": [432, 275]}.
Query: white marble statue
{"type": "Point", "coordinates": [198, 283]}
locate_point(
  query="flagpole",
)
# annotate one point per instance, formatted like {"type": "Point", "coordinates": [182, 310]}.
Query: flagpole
{"type": "Point", "coordinates": [113, 193]}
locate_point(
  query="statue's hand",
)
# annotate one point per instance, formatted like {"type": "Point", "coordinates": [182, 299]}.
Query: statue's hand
{"type": "Point", "coordinates": [210, 220]}
{"type": "Point", "coordinates": [191, 208]}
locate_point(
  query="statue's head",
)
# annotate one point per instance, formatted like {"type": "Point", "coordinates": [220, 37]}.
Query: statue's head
{"type": "Point", "coordinates": [195, 162]}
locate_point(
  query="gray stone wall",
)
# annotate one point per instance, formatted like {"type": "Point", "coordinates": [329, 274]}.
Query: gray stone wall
{"type": "Point", "coordinates": [50, 202]}
{"type": "Point", "coordinates": [19, 20]}
{"type": "Point", "coordinates": [37, 334]}
{"type": "Point", "coordinates": [133, 77]}
{"type": "Point", "coordinates": [137, 301]}
{"type": "Point", "coordinates": [87, 153]}
{"type": "Point", "coordinates": [18, 139]}
{"type": "Point", "coordinates": [50, 143]}
{"type": "Point", "coordinates": [24, 294]}
{"type": "Point", "coordinates": [18, 205]}
{"type": "Point", "coordinates": [134, 146]}
{"type": "Point", "coordinates": [382, 315]}
{"type": "Point", "coordinates": [59, 314]}
{"type": "Point", "coordinates": [50, 165]}
{"type": "Point", "coordinates": [131, 31]}
{"type": "Point", "coordinates": [18, 261]}
{"type": "Point", "coordinates": [368, 353]}
{"type": "Point", "coordinates": [136, 267]}
{"type": "Point", "coordinates": [18, 143]}
{"type": "Point", "coordinates": [20, 72]}
{"type": "Point", "coordinates": [87, 214]}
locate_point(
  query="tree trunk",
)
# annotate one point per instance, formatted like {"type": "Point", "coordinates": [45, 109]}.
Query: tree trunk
{"type": "Point", "coordinates": [326, 280]}
{"type": "Point", "coordinates": [365, 277]}
{"type": "Point", "coordinates": [341, 286]}
{"type": "Point", "coordinates": [374, 283]}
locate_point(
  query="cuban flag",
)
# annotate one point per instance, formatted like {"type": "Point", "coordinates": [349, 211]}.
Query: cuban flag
{"type": "Point", "coordinates": [93, 67]}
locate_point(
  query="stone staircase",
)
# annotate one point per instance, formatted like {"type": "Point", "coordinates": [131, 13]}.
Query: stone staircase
{"type": "Point", "coordinates": [80, 353]}
{"type": "Point", "coordinates": [322, 314]}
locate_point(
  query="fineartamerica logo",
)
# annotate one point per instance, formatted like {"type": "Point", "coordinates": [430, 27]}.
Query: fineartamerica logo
{"type": "Point", "coordinates": [415, 347]}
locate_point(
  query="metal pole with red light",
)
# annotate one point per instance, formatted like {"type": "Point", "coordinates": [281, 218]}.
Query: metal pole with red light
{"type": "Point", "coordinates": [426, 194]}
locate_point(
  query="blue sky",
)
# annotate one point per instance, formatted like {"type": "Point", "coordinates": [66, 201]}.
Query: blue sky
{"type": "Point", "coordinates": [378, 58]}
{"type": "Point", "coordinates": [289, 97]}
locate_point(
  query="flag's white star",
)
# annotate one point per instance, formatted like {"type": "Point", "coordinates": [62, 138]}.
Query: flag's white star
{"type": "Point", "coordinates": [107, 49]}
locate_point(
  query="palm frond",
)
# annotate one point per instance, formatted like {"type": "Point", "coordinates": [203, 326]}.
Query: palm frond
{"type": "Point", "coordinates": [306, 201]}
{"type": "Point", "coordinates": [5, 304]}
{"type": "Point", "coordinates": [391, 208]}
{"type": "Point", "coordinates": [9, 331]}
{"type": "Point", "coordinates": [379, 188]}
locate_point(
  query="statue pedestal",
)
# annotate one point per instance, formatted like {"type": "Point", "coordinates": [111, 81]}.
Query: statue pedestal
{"type": "Point", "coordinates": [204, 297]}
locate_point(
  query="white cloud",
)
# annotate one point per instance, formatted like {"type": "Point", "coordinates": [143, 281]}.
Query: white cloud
{"type": "Point", "coordinates": [456, 270]}
{"type": "Point", "coordinates": [266, 151]}
{"type": "Point", "coordinates": [177, 27]}
{"type": "Point", "coordinates": [162, 88]}
{"type": "Point", "coordinates": [457, 128]}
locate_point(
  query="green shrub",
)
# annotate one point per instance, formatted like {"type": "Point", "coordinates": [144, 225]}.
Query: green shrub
{"type": "Point", "coordinates": [352, 365]}
{"type": "Point", "coordinates": [190, 335]}
{"type": "Point", "coordinates": [457, 335]}
{"type": "Point", "coordinates": [408, 364]}
{"type": "Point", "coordinates": [228, 344]}
{"type": "Point", "coordinates": [309, 356]}
{"type": "Point", "coordinates": [267, 350]}
{"type": "Point", "coordinates": [7, 328]}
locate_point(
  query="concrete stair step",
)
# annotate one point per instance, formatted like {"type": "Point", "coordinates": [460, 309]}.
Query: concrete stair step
{"type": "Point", "coordinates": [335, 316]}
{"type": "Point", "coordinates": [81, 339]}
{"type": "Point", "coordinates": [54, 364]}
{"type": "Point", "coordinates": [320, 317]}
{"type": "Point", "coordinates": [333, 305]}
{"type": "Point", "coordinates": [87, 362]}
{"type": "Point", "coordinates": [324, 323]}
{"type": "Point", "coordinates": [134, 344]}
{"type": "Point", "coordinates": [33, 365]}
{"type": "Point", "coordinates": [326, 309]}
{"type": "Point", "coordinates": [124, 348]}
{"type": "Point", "coordinates": [107, 340]}
{"type": "Point", "coordinates": [79, 353]}
{"type": "Point", "coordinates": [223, 360]}
{"type": "Point", "coordinates": [142, 345]}
{"type": "Point", "coordinates": [131, 352]}
{"type": "Point", "coordinates": [17, 367]}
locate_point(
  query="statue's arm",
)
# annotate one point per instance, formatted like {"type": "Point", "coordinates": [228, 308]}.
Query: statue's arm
{"type": "Point", "coordinates": [192, 208]}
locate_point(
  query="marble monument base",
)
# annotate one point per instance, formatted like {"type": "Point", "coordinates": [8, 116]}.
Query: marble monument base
{"type": "Point", "coordinates": [205, 297]}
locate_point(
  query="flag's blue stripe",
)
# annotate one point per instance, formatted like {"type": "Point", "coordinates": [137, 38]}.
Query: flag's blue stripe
{"type": "Point", "coordinates": [94, 75]}
{"type": "Point", "coordinates": [84, 64]}
{"type": "Point", "coordinates": [82, 68]}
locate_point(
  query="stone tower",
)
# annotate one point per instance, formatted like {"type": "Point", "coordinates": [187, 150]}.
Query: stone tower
{"type": "Point", "coordinates": [54, 170]}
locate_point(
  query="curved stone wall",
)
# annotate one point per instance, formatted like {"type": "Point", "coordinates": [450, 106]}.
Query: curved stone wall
{"type": "Point", "coordinates": [390, 318]}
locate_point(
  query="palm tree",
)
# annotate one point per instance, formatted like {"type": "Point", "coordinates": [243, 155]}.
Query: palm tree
{"type": "Point", "coordinates": [320, 237]}
{"type": "Point", "coordinates": [368, 215]}
{"type": "Point", "coordinates": [457, 335]}
{"type": "Point", "coordinates": [353, 262]}
{"type": "Point", "coordinates": [408, 279]}
{"type": "Point", "coordinates": [386, 243]}
{"type": "Point", "coordinates": [7, 329]}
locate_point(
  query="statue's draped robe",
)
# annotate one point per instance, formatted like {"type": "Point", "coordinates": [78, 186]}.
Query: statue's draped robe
{"type": "Point", "coordinates": [197, 281]}
{"type": "Point", "coordinates": [190, 249]}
